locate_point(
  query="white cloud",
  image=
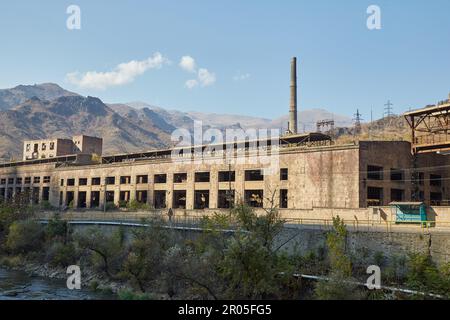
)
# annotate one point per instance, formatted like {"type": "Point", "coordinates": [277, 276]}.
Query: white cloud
{"type": "Point", "coordinates": [191, 83]}
{"type": "Point", "coordinates": [206, 78]}
{"type": "Point", "coordinates": [122, 74]}
{"type": "Point", "coordinates": [241, 76]}
{"type": "Point", "coordinates": [187, 63]}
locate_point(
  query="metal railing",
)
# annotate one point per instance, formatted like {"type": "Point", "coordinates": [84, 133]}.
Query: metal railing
{"type": "Point", "coordinates": [197, 220]}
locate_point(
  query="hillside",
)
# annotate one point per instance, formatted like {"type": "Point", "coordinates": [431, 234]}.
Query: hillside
{"type": "Point", "coordinates": [47, 110]}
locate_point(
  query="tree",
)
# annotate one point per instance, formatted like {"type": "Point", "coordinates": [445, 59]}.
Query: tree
{"type": "Point", "coordinates": [339, 286]}
{"type": "Point", "coordinates": [143, 262]}
{"type": "Point", "coordinates": [108, 248]}
{"type": "Point", "coordinates": [24, 236]}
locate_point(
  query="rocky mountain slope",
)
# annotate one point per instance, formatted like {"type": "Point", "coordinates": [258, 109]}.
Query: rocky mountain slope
{"type": "Point", "coordinates": [47, 110]}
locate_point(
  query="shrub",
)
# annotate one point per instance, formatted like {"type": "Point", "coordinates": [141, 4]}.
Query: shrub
{"type": "Point", "coordinates": [423, 275]}
{"type": "Point", "coordinates": [110, 206]}
{"type": "Point", "coordinates": [25, 236]}
{"type": "Point", "coordinates": [57, 228]}
{"type": "Point", "coordinates": [60, 254]}
{"type": "Point", "coordinates": [135, 205]}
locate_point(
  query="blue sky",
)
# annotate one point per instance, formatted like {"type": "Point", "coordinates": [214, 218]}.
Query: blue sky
{"type": "Point", "coordinates": [245, 46]}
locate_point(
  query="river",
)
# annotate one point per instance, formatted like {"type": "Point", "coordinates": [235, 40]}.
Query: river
{"type": "Point", "coordinates": [18, 285]}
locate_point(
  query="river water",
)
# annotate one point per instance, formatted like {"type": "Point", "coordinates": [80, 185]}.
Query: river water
{"type": "Point", "coordinates": [18, 285]}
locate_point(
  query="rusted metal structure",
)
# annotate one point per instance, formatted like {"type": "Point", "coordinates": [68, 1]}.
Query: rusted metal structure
{"type": "Point", "coordinates": [326, 125]}
{"type": "Point", "coordinates": [430, 128]}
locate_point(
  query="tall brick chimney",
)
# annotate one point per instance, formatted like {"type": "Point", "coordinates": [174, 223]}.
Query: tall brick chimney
{"type": "Point", "coordinates": [292, 126]}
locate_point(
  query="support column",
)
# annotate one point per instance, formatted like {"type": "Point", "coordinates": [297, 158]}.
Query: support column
{"type": "Point", "coordinates": [169, 192]}
{"type": "Point", "coordinates": [214, 190]}
{"type": "Point", "coordinates": [190, 187]}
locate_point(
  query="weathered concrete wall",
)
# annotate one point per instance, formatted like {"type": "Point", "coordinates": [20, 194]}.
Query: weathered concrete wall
{"type": "Point", "coordinates": [363, 245]}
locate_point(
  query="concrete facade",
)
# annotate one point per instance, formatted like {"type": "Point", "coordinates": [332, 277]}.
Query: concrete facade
{"type": "Point", "coordinates": [51, 148]}
{"type": "Point", "coordinates": [305, 178]}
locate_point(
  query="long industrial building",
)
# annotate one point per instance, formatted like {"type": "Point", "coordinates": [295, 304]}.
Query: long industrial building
{"type": "Point", "coordinates": [311, 172]}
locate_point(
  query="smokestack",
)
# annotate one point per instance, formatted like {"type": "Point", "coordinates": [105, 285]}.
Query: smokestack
{"type": "Point", "coordinates": [292, 127]}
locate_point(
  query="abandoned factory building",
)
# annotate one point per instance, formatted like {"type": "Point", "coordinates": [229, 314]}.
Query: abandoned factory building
{"type": "Point", "coordinates": [310, 172]}
{"type": "Point", "coordinates": [307, 170]}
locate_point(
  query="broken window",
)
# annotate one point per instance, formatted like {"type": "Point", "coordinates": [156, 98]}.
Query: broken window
{"type": "Point", "coordinates": [28, 147]}
{"type": "Point", "coordinates": [82, 182]}
{"type": "Point", "coordinates": [283, 198]}
{"type": "Point", "coordinates": [179, 199]}
{"type": "Point", "coordinates": [374, 196]}
{"type": "Point", "coordinates": [254, 198]}
{"type": "Point", "coordinates": [125, 180]}
{"type": "Point", "coordinates": [160, 178]}
{"type": "Point", "coordinates": [36, 179]}
{"type": "Point", "coordinates": [69, 198]}
{"type": "Point", "coordinates": [284, 174]}
{"type": "Point", "coordinates": [397, 175]}
{"type": "Point", "coordinates": [52, 145]}
{"type": "Point", "coordinates": [27, 180]}
{"type": "Point", "coordinates": [44, 146]}
{"type": "Point", "coordinates": [82, 199]}
{"type": "Point", "coordinates": [159, 197]}
{"type": "Point", "coordinates": [18, 180]}
{"type": "Point", "coordinates": [46, 179]}
{"type": "Point", "coordinates": [95, 181]}
{"type": "Point", "coordinates": [226, 176]}
{"type": "Point", "coordinates": [45, 193]}
{"type": "Point", "coordinates": [141, 196]}
{"type": "Point", "coordinates": [435, 198]}
{"type": "Point", "coordinates": [397, 195]}
{"type": "Point", "coordinates": [142, 179]}
{"type": "Point", "coordinates": [109, 196]}
{"type": "Point", "coordinates": [435, 180]}
{"type": "Point", "coordinates": [70, 182]}
{"type": "Point", "coordinates": [179, 177]}
{"type": "Point", "coordinates": [124, 198]}
{"type": "Point", "coordinates": [110, 180]}
{"type": "Point", "coordinates": [95, 199]}
{"type": "Point", "coordinates": [226, 199]}
{"type": "Point", "coordinates": [374, 173]}
{"type": "Point", "coordinates": [254, 175]}
{"type": "Point", "coordinates": [201, 199]}
{"type": "Point", "coordinates": [202, 177]}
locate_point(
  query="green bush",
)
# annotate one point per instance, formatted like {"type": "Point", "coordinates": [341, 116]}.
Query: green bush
{"type": "Point", "coordinates": [123, 204]}
{"type": "Point", "coordinates": [110, 206]}
{"type": "Point", "coordinates": [135, 205]}
{"type": "Point", "coordinates": [57, 228]}
{"type": "Point", "coordinates": [25, 236]}
{"type": "Point", "coordinates": [45, 205]}
{"type": "Point", "coordinates": [423, 275]}
{"type": "Point", "coordinates": [60, 254]}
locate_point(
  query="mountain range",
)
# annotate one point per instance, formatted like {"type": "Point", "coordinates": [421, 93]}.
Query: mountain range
{"type": "Point", "coordinates": [47, 110]}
